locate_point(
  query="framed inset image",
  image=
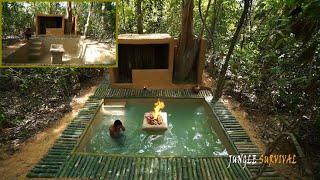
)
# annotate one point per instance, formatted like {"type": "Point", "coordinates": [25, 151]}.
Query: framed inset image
{"type": "Point", "coordinates": [62, 34]}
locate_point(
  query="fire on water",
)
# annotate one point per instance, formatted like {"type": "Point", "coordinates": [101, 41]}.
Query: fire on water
{"type": "Point", "coordinates": [154, 116]}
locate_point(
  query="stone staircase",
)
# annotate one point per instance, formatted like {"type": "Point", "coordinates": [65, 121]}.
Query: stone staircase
{"type": "Point", "coordinates": [35, 50]}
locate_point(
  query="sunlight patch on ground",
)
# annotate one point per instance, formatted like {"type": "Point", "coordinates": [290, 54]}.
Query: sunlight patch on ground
{"type": "Point", "coordinates": [100, 53]}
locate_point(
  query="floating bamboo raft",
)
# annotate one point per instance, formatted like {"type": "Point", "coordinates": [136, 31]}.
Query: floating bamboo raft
{"type": "Point", "coordinates": [61, 162]}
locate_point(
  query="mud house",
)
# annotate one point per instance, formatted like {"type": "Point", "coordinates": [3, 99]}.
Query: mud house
{"type": "Point", "coordinates": [55, 25]}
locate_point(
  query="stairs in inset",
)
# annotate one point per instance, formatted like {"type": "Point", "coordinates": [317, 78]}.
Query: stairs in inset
{"type": "Point", "coordinates": [35, 50]}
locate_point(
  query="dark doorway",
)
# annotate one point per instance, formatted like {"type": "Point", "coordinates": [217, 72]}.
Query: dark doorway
{"type": "Point", "coordinates": [49, 22]}
{"type": "Point", "coordinates": [136, 56]}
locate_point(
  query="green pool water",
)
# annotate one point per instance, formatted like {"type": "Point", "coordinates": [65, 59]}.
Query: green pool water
{"type": "Point", "coordinates": [190, 130]}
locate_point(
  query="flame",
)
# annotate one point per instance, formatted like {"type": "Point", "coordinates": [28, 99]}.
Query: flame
{"type": "Point", "coordinates": [157, 107]}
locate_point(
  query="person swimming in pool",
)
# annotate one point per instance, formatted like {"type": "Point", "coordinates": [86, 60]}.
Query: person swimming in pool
{"type": "Point", "coordinates": [116, 128]}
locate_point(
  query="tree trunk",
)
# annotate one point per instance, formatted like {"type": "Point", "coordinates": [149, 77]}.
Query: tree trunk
{"type": "Point", "coordinates": [224, 68]}
{"type": "Point", "coordinates": [88, 21]}
{"type": "Point", "coordinates": [103, 25]}
{"type": "Point", "coordinates": [139, 17]}
{"type": "Point", "coordinates": [216, 11]}
{"type": "Point", "coordinates": [70, 21]}
{"type": "Point", "coordinates": [204, 18]}
{"type": "Point", "coordinates": [187, 46]}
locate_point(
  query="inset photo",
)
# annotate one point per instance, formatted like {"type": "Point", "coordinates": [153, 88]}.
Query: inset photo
{"type": "Point", "coordinates": [67, 34]}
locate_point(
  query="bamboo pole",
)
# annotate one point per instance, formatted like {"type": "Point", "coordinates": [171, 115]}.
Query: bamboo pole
{"type": "Point", "coordinates": [58, 163]}
{"type": "Point", "coordinates": [179, 168]}
{"type": "Point", "coordinates": [47, 166]}
{"type": "Point", "coordinates": [147, 169]}
{"type": "Point", "coordinates": [69, 165]}
{"type": "Point", "coordinates": [95, 166]}
{"type": "Point", "coordinates": [76, 168]}
{"type": "Point", "coordinates": [164, 168]}
{"type": "Point", "coordinates": [125, 167]}
{"type": "Point", "coordinates": [39, 170]}
{"type": "Point", "coordinates": [117, 168]}
{"type": "Point", "coordinates": [112, 167]}
{"type": "Point", "coordinates": [156, 169]}
{"type": "Point", "coordinates": [227, 170]}
{"type": "Point", "coordinates": [207, 168]}
{"type": "Point", "coordinates": [166, 175]}
{"type": "Point", "coordinates": [137, 169]}
{"type": "Point", "coordinates": [214, 164]}
{"type": "Point", "coordinates": [169, 169]}
{"type": "Point", "coordinates": [161, 164]}
{"type": "Point", "coordinates": [102, 163]}
{"type": "Point", "coordinates": [131, 168]}
{"type": "Point", "coordinates": [240, 170]}
{"type": "Point", "coordinates": [88, 169]}
{"type": "Point", "coordinates": [189, 167]}
{"type": "Point", "coordinates": [184, 168]}
{"type": "Point", "coordinates": [83, 167]}
{"type": "Point", "coordinates": [235, 171]}
{"type": "Point", "coordinates": [41, 175]}
{"type": "Point", "coordinates": [198, 168]}
{"type": "Point", "coordinates": [224, 173]}
{"type": "Point", "coordinates": [174, 164]}
{"type": "Point", "coordinates": [143, 162]}
{"type": "Point", "coordinates": [203, 170]}
{"type": "Point", "coordinates": [194, 168]}
{"type": "Point", "coordinates": [63, 166]}
{"type": "Point", "coordinates": [212, 173]}
{"type": "Point", "coordinates": [152, 164]}
{"type": "Point", "coordinates": [73, 166]}
{"type": "Point", "coordinates": [105, 168]}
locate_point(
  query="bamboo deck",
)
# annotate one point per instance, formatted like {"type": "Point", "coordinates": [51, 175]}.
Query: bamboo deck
{"type": "Point", "coordinates": [60, 161]}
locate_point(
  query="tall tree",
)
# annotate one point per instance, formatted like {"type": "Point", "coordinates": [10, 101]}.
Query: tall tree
{"type": "Point", "coordinates": [216, 11]}
{"type": "Point", "coordinates": [224, 68]}
{"type": "Point", "coordinates": [139, 17]}
{"type": "Point", "coordinates": [69, 18]}
{"type": "Point", "coordinates": [187, 45]}
{"type": "Point", "coordinates": [88, 20]}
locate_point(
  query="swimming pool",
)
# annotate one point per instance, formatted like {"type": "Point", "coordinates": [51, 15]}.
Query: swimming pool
{"type": "Point", "coordinates": [191, 130]}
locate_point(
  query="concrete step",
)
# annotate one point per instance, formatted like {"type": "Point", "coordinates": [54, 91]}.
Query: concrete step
{"type": "Point", "coordinates": [114, 104]}
{"type": "Point", "coordinates": [35, 48]}
{"type": "Point", "coordinates": [36, 43]}
{"type": "Point", "coordinates": [114, 111]}
{"type": "Point", "coordinates": [34, 54]}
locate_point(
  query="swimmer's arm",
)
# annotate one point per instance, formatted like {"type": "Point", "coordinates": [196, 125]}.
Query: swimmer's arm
{"type": "Point", "coordinates": [123, 129]}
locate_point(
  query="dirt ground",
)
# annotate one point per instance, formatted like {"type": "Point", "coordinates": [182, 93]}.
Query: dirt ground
{"type": "Point", "coordinates": [17, 166]}
{"type": "Point", "coordinates": [10, 48]}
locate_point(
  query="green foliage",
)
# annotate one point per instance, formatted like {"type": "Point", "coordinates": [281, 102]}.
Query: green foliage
{"type": "Point", "coordinates": [158, 17]}
{"type": "Point", "coordinates": [102, 20]}
{"type": "Point", "coordinates": [38, 96]}
{"type": "Point", "coordinates": [275, 68]}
